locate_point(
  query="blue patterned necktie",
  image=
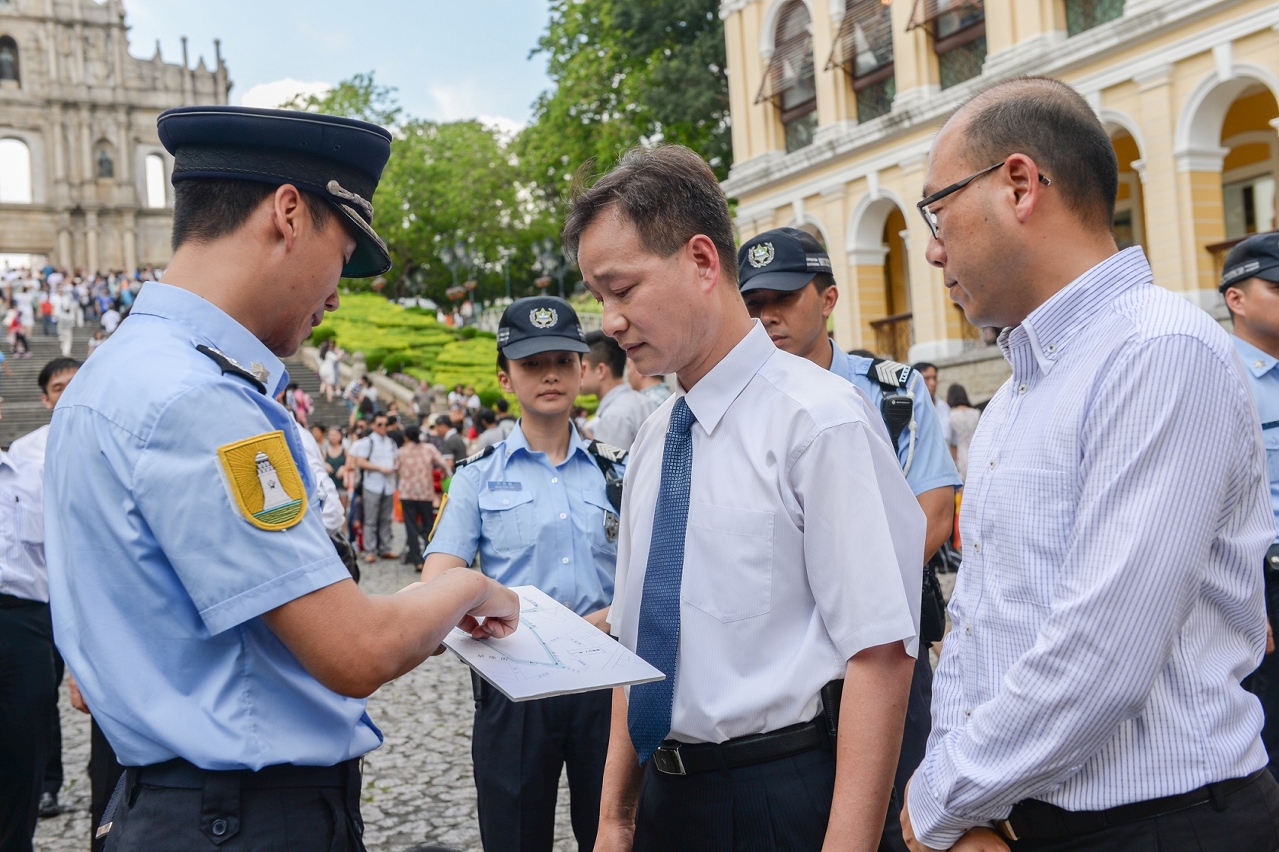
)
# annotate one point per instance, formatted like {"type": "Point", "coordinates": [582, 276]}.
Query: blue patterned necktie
{"type": "Point", "coordinates": [649, 714]}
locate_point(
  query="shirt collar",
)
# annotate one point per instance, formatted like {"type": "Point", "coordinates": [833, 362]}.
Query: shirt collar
{"type": "Point", "coordinates": [712, 396]}
{"type": "Point", "coordinates": [1051, 326]}
{"type": "Point", "coordinates": [1258, 362]}
{"type": "Point", "coordinates": [213, 327]}
{"type": "Point", "coordinates": [516, 442]}
{"type": "Point", "coordinates": [840, 364]}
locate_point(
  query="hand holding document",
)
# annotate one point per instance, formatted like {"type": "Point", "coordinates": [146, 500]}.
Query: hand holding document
{"type": "Point", "coordinates": [552, 652]}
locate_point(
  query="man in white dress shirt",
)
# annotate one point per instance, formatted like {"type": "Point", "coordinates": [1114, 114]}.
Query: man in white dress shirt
{"type": "Point", "coordinates": [769, 556]}
{"type": "Point", "coordinates": [1115, 518]}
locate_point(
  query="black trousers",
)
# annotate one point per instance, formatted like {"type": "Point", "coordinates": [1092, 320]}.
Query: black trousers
{"type": "Point", "coordinates": [519, 749]}
{"type": "Point", "coordinates": [779, 806]}
{"type": "Point", "coordinates": [1245, 821]}
{"type": "Point", "coordinates": [28, 701]}
{"type": "Point", "coordinates": [919, 721]}
{"type": "Point", "coordinates": [104, 774]}
{"type": "Point", "coordinates": [53, 768]}
{"type": "Point", "coordinates": [231, 813]}
{"type": "Point", "coordinates": [418, 517]}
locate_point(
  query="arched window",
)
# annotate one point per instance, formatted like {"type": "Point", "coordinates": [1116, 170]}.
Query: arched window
{"type": "Point", "coordinates": [9, 70]}
{"type": "Point", "coordinates": [791, 81]}
{"type": "Point", "coordinates": [15, 172]}
{"type": "Point", "coordinates": [104, 161]}
{"type": "Point", "coordinates": [958, 28]}
{"type": "Point", "coordinates": [157, 197]}
{"type": "Point", "coordinates": [864, 49]}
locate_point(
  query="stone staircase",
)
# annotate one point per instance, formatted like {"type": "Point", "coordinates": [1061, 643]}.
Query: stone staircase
{"type": "Point", "coordinates": [325, 413]}
{"type": "Point", "coordinates": [22, 411]}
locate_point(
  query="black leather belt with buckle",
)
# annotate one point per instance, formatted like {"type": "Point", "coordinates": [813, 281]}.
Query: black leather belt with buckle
{"type": "Point", "coordinates": [1033, 820]}
{"type": "Point", "coordinates": [675, 758]}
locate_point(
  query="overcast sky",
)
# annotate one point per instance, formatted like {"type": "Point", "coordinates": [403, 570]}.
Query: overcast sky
{"type": "Point", "coordinates": [448, 60]}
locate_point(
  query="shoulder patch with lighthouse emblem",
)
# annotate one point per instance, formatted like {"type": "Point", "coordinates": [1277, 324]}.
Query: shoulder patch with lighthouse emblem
{"type": "Point", "coordinates": [263, 481]}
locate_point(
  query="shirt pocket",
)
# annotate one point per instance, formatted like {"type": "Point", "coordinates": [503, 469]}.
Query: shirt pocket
{"type": "Point", "coordinates": [598, 512]}
{"type": "Point", "coordinates": [1030, 531]}
{"type": "Point", "coordinates": [506, 519]}
{"type": "Point", "coordinates": [31, 525]}
{"type": "Point", "coordinates": [1271, 437]}
{"type": "Point", "coordinates": [728, 562]}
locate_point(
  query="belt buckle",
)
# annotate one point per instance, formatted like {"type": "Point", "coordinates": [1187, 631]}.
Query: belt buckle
{"type": "Point", "coordinates": [1005, 828]}
{"type": "Point", "coordinates": [668, 761]}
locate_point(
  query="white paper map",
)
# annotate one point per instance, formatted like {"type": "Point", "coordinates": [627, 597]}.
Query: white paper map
{"type": "Point", "coordinates": [553, 652]}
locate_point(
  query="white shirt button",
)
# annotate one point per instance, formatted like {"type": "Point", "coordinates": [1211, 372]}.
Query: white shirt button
{"type": "Point", "coordinates": [968, 631]}
{"type": "Point", "coordinates": [506, 502]}
{"type": "Point", "coordinates": [1259, 364]}
{"type": "Point", "coordinates": [977, 546]}
{"type": "Point", "coordinates": [992, 464]}
{"type": "Point", "coordinates": [554, 479]}
{"type": "Point", "coordinates": [563, 516]}
{"type": "Point", "coordinates": [565, 560]}
{"type": "Point", "coordinates": [1021, 388]}
{"type": "Point", "coordinates": [968, 713]}
{"type": "Point", "coordinates": [1052, 347]}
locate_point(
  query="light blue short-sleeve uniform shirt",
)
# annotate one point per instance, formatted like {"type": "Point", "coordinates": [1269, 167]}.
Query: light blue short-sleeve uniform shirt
{"type": "Point", "coordinates": [1263, 377]}
{"type": "Point", "coordinates": [931, 467]}
{"type": "Point", "coordinates": [157, 580]}
{"type": "Point", "coordinates": [534, 523]}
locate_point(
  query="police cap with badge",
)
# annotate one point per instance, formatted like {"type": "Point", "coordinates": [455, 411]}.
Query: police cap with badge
{"type": "Point", "coordinates": [1255, 257]}
{"type": "Point", "coordinates": [337, 159]}
{"type": "Point", "coordinates": [784, 259]}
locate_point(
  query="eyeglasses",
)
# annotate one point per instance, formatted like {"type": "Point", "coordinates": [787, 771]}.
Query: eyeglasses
{"type": "Point", "coordinates": [930, 218]}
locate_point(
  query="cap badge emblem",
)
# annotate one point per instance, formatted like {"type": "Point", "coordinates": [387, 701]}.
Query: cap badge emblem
{"type": "Point", "coordinates": [543, 317]}
{"type": "Point", "coordinates": [761, 255]}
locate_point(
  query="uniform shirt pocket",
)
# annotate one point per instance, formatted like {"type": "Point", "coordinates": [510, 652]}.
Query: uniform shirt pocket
{"type": "Point", "coordinates": [599, 515]}
{"type": "Point", "coordinates": [1271, 437]}
{"type": "Point", "coordinates": [506, 519]}
{"type": "Point", "coordinates": [728, 562]}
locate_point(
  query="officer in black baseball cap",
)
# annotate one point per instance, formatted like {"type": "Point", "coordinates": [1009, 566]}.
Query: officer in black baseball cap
{"type": "Point", "coordinates": [784, 259]}
{"type": "Point", "coordinates": [1255, 257]}
{"type": "Point", "coordinates": [337, 159]}
{"type": "Point", "coordinates": [538, 510]}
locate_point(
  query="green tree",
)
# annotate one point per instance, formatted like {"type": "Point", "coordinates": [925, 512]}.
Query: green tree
{"type": "Point", "coordinates": [359, 97]}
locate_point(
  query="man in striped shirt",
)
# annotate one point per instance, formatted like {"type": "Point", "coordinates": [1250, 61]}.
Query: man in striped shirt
{"type": "Point", "coordinates": [1115, 518]}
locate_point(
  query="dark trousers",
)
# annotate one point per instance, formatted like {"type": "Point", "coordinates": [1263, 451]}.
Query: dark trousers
{"type": "Point", "coordinates": [418, 517]}
{"type": "Point", "coordinates": [769, 807]}
{"type": "Point", "coordinates": [104, 774]}
{"type": "Point", "coordinates": [378, 511]}
{"type": "Point", "coordinates": [28, 698]}
{"type": "Point", "coordinates": [919, 721]}
{"type": "Point", "coordinates": [53, 767]}
{"type": "Point", "coordinates": [1245, 821]}
{"type": "Point", "coordinates": [231, 813]}
{"type": "Point", "coordinates": [519, 749]}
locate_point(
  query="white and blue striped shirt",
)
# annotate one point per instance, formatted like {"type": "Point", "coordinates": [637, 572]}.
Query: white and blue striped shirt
{"type": "Point", "coordinates": [1114, 524]}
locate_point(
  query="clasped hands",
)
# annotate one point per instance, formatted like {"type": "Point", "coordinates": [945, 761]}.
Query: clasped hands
{"type": "Point", "coordinates": [976, 839]}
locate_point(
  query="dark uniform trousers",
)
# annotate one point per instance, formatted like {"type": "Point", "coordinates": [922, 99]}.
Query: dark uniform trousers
{"type": "Point", "coordinates": [104, 774]}
{"type": "Point", "coordinates": [175, 807]}
{"type": "Point", "coordinates": [919, 720]}
{"type": "Point", "coordinates": [778, 806]}
{"type": "Point", "coordinates": [28, 705]}
{"type": "Point", "coordinates": [1246, 820]}
{"type": "Point", "coordinates": [519, 749]}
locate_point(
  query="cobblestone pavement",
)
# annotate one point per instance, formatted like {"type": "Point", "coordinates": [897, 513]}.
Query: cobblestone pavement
{"type": "Point", "coordinates": [418, 786]}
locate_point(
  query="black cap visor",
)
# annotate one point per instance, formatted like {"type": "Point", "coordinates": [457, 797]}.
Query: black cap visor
{"type": "Point", "coordinates": [370, 256]}
{"type": "Point", "coordinates": [784, 281]}
{"type": "Point", "coordinates": [537, 345]}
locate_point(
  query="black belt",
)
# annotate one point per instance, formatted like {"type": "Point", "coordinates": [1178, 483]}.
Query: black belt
{"type": "Point", "coordinates": [13, 602]}
{"type": "Point", "coordinates": [1033, 820]}
{"type": "Point", "coordinates": [183, 775]}
{"type": "Point", "coordinates": [676, 758]}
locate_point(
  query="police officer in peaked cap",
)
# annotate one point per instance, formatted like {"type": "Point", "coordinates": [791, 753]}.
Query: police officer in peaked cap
{"type": "Point", "coordinates": [213, 630]}
{"type": "Point", "coordinates": [541, 509]}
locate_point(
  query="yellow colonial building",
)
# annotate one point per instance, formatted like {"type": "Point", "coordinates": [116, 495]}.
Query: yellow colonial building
{"type": "Point", "coordinates": [835, 103]}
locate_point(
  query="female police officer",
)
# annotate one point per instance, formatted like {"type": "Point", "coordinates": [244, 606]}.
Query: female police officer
{"type": "Point", "coordinates": [537, 508]}
{"type": "Point", "coordinates": [212, 629]}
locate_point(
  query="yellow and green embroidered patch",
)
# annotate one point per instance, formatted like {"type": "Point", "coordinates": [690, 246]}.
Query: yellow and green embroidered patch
{"type": "Point", "coordinates": [264, 481]}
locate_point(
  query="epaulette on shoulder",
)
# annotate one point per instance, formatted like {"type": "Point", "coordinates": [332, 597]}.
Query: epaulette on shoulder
{"type": "Point", "coordinates": [608, 451]}
{"type": "Point", "coordinates": [482, 454]}
{"type": "Point", "coordinates": [890, 373]}
{"type": "Point", "coordinates": [230, 366]}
